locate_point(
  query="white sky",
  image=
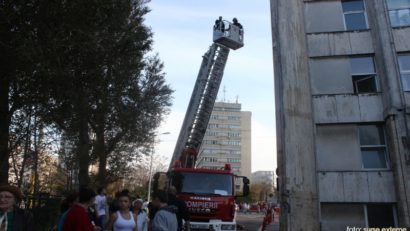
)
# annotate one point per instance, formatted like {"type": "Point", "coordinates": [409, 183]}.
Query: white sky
{"type": "Point", "coordinates": [183, 33]}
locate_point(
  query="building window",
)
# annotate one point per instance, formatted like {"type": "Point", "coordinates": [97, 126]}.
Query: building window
{"type": "Point", "coordinates": [373, 147]}
{"type": "Point", "coordinates": [404, 64]}
{"type": "Point", "coordinates": [342, 215]}
{"type": "Point", "coordinates": [211, 142]}
{"type": "Point", "coordinates": [380, 215]}
{"type": "Point", "coordinates": [234, 118]}
{"type": "Point", "coordinates": [363, 75]}
{"type": "Point", "coordinates": [213, 125]}
{"type": "Point", "coordinates": [233, 134]}
{"type": "Point", "coordinates": [233, 160]}
{"type": "Point", "coordinates": [354, 15]}
{"type": "Point", "coordinates": [399, 12]}
{"type": "Point", "coordinates": [210, 159]}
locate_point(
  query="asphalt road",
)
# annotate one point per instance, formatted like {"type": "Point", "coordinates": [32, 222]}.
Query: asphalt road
{"type": "Point", "coordinates": [250, 221]}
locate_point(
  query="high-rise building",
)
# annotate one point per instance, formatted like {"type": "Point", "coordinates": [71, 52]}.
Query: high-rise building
{"type": "Point", "coordinates": [227, 139]}
{"type": "Point", "coordinates": [342, 85]}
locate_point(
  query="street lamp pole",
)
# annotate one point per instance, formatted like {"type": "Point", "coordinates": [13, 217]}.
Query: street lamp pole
{"type": "Point", "coordinates": [150, 175]}
{"type": "Point", "coordinates": [150, 167]}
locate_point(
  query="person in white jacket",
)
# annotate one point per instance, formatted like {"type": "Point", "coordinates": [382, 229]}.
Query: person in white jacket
{"type": "Point", "coordinates": [142, 216]}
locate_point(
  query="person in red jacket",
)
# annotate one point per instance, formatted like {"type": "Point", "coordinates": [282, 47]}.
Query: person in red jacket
{"type": "Point", "coordinates": [77, 218]}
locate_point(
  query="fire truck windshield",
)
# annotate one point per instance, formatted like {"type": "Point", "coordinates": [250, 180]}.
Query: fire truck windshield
{"type": "Point", "coordinates": [203, 183]}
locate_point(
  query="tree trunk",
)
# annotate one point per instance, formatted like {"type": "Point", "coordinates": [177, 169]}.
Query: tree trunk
{"type": "Point", "coordinates": [83, 152]}
{"type": "Point", "coordinates": [36, 142]}
{"type": "Point", "coordinates": [5, 120]}
{"type": "Point", "coordinates": [102, 157]}
{"type": "Point", "coordinates": [26, 150]}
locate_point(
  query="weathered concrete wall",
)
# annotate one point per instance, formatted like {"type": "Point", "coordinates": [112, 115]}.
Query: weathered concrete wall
{"type": "Point", "coordinates": [365, 187]}
{"type": "Point", "coordinates": [348, 108]}
{"type": "Point", "coordinates": [397, 125]}
{"type": "Point", "coordinates": [296, 156]}
{"type": "Point", "coordinates": [340, 43]}
{"type": "Point", "coordinates": [304, 29]}
{"type": "Point", "coordinates": [246, 143]}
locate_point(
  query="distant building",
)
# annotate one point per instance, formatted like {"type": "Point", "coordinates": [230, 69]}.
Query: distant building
{"type": "Point", "coordinates": [227, 139]}
{"type": "Point", "coordinates": [342, 85]}
{"type": "Point", "coordinates": [264, 181]}
{"type": "Point", "coordinates": [263, 177]}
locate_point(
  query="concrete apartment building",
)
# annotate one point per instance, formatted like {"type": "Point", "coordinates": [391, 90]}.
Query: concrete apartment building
{"type": "Point", "coordinates": [227, 139]}
{"type": "Point", "coordinates": [342, 85]}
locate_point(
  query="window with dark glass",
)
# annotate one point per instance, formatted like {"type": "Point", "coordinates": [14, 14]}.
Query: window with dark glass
{"type": "Point", "coordinates": [363, 75]}
{"type": "Point", "coordinates": [399, 12]}
{"type": "Point", "coordinates": [380, 215]}
{"type": "Point", "coordinates": [373, 146]}
{"type": "Point", "coordinates": [210, 183]}
{"type": "Point", "coordinates": [404, 64]}
{"type": "Point", "coordinates": [354, 15]}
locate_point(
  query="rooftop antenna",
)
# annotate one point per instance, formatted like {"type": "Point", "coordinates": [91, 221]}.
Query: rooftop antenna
{"type": "Point", "coordinates": [237, 98]}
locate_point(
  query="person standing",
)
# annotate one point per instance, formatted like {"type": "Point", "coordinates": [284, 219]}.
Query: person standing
{"type": "Point", "coordinates": [123, 219]}
{"type": "Point", "coordinates": [11, 216]}
{"type": "Point", "coordinates": [183, 213]}
{"type": "Point", "coordinates": [77, 217]}
{"type": "Point", "coordinates": [236, 23]}
{"type": "Point", "coordinates": [219, 24]}
{"type": "Point", "coordinates": [165, 218]}
{"type": "Point", "coordinates": [71, 199]}
{"type": "Point", "coordinates": [101, 206]}
{"type": "Point", "coordinates": [142, 217]}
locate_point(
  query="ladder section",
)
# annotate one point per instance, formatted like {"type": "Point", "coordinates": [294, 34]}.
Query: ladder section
{"type": "Point", "coordinates": [202, 101]}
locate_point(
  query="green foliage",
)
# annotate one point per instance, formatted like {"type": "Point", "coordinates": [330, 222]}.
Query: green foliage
{"type": "Point", "coordinates": [87, 67]}
{"type": "Point", "coordinates": [260, 191]}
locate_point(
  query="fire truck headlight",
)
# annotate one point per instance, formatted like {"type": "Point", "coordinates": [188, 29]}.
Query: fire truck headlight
{"type": "Point", "coordinates": [228, 227]}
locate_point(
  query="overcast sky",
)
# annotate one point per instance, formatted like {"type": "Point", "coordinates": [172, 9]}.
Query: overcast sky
{"type": "Point", "coordinates": [183, 33]}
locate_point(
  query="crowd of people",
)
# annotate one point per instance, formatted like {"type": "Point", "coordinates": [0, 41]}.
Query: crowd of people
{"type": "Point", "coordinates": [88, 211]}
{"type": "Point", "coordinates": [257, 207]}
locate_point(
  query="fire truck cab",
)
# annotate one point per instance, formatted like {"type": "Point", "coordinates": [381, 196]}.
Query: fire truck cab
{"type": "Point", "coordinates": [208, 193]}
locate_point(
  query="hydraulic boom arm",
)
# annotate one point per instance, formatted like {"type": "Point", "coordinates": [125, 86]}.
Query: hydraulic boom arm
{"type": "Point", "coordinates": [204, 94]}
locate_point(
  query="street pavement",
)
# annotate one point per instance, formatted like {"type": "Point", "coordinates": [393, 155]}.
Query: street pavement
{"type": "Point", "coordinates": [253, 222]}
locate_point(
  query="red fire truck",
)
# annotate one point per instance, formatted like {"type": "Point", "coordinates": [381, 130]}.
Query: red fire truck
{"type": "Point", "coordinates": [208, 193]}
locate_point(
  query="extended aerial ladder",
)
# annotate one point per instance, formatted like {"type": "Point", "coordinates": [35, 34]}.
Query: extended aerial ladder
{"type": "Point", "coordinates": [226, 36]}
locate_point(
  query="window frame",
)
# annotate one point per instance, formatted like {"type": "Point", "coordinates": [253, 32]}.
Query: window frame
{"type": "Point", "coordinates": [364, 208]}
{"type": "Point", "coordinates": [393, 208]}
{"type": "Point", "coordinates": [365, 75]}
{"type": "Point", "coordinates": [376, 146]}
{"type": "Point", "coordinates": [355, 12]}
{"type": "Point", "coordinates": [397, 9]}
{"type": "Point", "coordinates": [403, 71]}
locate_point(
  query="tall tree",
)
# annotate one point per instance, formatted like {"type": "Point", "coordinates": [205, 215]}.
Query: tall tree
{"type": "Point", "coordinates": [130, 96]}
{"type": "Point", "coordinates": [105, 89]}
{"type": "Point", "coordinates": [18, 76]}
